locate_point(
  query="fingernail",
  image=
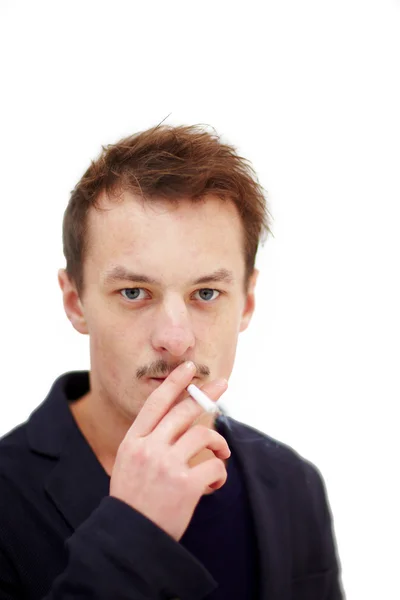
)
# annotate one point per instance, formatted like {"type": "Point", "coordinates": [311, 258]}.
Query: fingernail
{"type": "Point", "coordinates": [189, 365]}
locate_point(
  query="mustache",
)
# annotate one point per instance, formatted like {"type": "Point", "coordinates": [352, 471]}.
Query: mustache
{"type": "Point", "coordinates": [162, 369]}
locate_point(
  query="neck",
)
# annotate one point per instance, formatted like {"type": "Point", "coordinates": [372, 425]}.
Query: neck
{"type": "Point", "coordinates": [101, 426]}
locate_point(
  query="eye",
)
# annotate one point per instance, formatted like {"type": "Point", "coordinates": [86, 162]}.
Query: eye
{"type": "Point", "coordinates": [207, 292]}
{"type": "Point", "coordinates": [133, 294]}
{"type": "Point", "coordinates": [130, 293]}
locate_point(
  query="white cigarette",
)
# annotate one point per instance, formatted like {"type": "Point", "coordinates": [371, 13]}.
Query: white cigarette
{"type": "Point", "coordinates": [202, 399]}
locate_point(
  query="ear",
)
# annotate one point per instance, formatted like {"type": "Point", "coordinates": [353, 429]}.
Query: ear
{"type": "Point", "coordinates": [250, 301]}
{"type": "Point", "coordinates": [72, 304]}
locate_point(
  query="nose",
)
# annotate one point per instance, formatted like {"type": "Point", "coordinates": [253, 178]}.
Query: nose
{"type": "Point", "coordinates": [173, 331]}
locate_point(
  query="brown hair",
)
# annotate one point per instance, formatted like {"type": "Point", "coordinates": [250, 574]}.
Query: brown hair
{"type": "Point", "coordinates": [169, 162]}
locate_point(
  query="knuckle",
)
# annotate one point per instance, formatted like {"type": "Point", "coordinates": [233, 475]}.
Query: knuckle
{"type": "Point", "coordinates": [219, 466]}
{"type": "Point", "coordinates": [166, 465]}
{"type": "Point", "coordinates": [221, 470]}
{"type": "Point", "coordinates": [222, 466]}
{"type": "Point", "coordinates": [182, 478]}
{"type": "Point", "coordinates": [139, 452]}
{"type": "Point", "coordinates": [175, 473]}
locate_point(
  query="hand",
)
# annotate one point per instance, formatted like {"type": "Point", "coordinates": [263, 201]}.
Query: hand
{"type": "Point", "coordinates": [151, 471]}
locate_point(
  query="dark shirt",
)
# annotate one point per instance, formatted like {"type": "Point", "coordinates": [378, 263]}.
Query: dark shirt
{"type": "Point", "coordinates": [62, 537]}
{"type": "Point", "coordinates": [221, 535]}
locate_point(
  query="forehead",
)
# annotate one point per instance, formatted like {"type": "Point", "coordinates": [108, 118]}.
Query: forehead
{"type": "Point", "coordinates": [157, 233]}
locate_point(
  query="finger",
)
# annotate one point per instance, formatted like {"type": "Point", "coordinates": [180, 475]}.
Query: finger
{"type": "Point", "coordinates": [198, 438]}
{"type": "Point", "coordinates": [160, 401]}
{"type": "Point", "coordinates": [209, 474]}
{"type": "Point", "coordinates": [181, 416]}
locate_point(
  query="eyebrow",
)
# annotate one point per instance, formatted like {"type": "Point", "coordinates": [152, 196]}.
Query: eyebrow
{"type": "Point", "coordinates": [122, 274]}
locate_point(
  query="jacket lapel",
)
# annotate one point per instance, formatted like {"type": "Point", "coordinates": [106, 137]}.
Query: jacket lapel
{"type": "Point", "coordinates": [77, 482]}
{"type": "Point", "coordinates": [267, 501]}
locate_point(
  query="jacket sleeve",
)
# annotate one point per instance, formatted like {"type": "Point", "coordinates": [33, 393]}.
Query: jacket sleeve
{"type": "Point", "coordinates": [119, 553]}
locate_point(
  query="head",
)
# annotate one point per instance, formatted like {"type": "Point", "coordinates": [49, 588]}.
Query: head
{"type": "Point", "coordinates": [160, 238]}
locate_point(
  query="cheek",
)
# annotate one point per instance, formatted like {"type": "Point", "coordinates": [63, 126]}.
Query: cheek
{"type": "Point", "coordinates": [231, 331]}
{"type": "Point", "coordinates": [113, 344]}
{"type": "Point", "coordinates": [114, 359]}
{"type": "Point", "coordinates": [108, 330]}
{"type": "Point", "coordinates": [228, 350]}
{"type": "Point", "coordinates": [221, 342]}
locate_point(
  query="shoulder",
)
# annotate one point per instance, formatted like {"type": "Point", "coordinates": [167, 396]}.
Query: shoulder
{"type": "Point", "coordinates": [277, 451]}
{"type": "Point", "coordinates": [21, 469]}
{"type": "Point", "coordinates": [15, 470]}
{"type": "Point", "coordinates": [14, 449]}
{"type": "Point", "coordinates": [279, 460]}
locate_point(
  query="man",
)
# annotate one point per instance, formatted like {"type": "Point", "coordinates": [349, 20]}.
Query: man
{"type": "Point", "coordinates": [120, 485]}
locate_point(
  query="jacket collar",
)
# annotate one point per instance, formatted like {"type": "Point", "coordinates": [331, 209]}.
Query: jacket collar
{"type": "Point", "coordinates": [52, 423]}
{"type": "Point", "coordinates": [78, 482]}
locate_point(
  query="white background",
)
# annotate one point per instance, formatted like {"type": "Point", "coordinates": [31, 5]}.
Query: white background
{"type": "Point", "coordinates": [310, 92]}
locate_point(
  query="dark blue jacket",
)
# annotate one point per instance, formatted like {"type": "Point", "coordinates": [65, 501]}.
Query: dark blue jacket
{"type": "Point", "coordinates": [63, 537]}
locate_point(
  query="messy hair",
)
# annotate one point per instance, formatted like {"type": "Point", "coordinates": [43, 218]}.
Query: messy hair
{"type": "Point", "coordinates": [170, 163]}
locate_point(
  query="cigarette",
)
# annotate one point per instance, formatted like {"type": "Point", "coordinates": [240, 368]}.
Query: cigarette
{"type": "Point", "coordinates": [202, 399]}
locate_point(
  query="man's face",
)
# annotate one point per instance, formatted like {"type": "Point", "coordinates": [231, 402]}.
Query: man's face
{"type": "Point", "coordinates": [139, 330]}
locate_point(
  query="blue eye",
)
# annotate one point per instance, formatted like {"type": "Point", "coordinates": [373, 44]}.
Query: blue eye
{"type": "Point", "coordinates": [208, 290]}
{"type": "Point", "coordinates": [131, 293]}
